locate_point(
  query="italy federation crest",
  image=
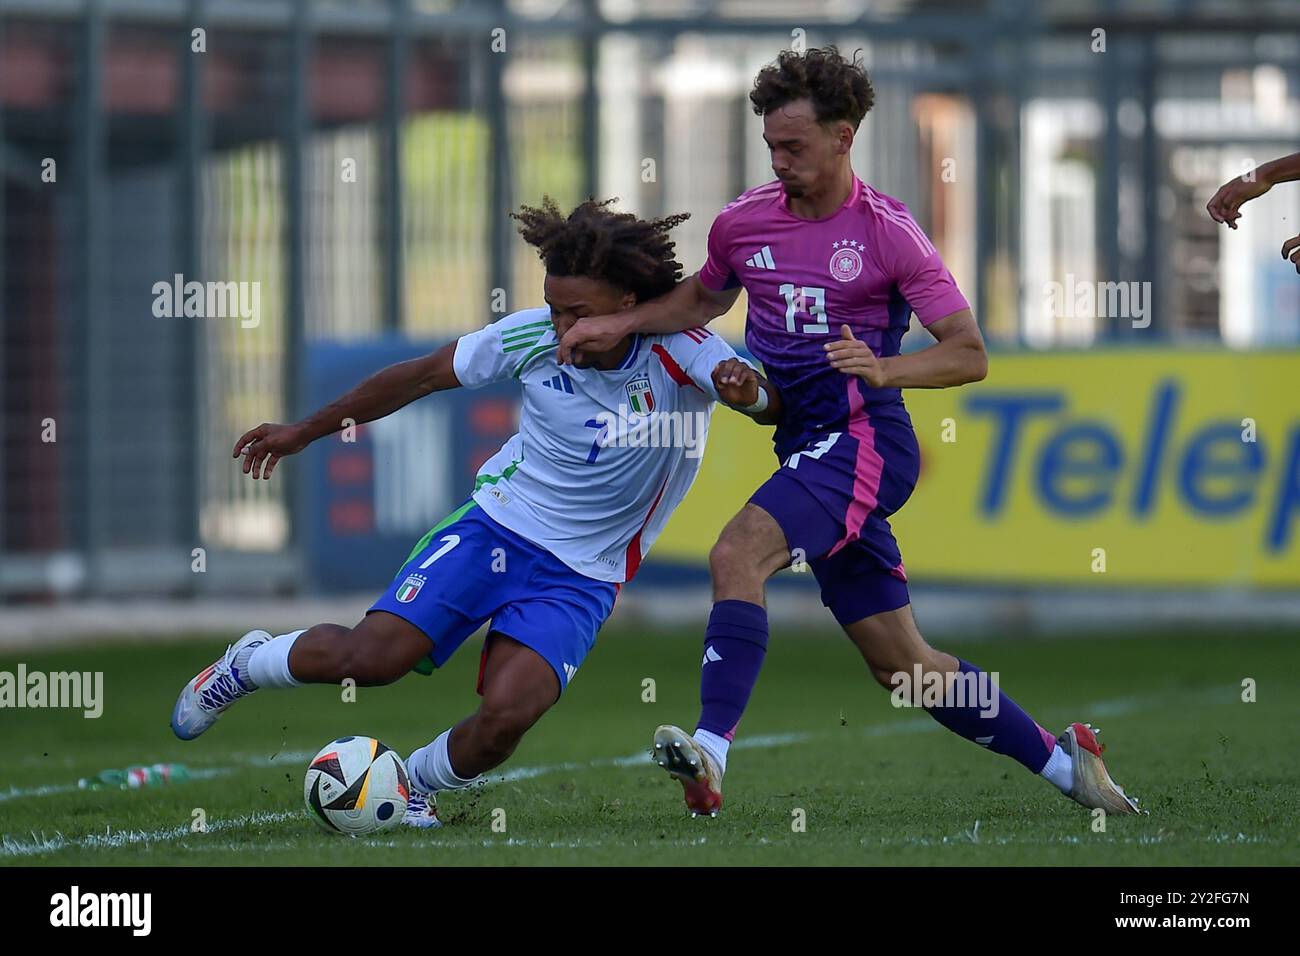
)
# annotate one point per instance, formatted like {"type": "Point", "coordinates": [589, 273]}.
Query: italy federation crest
{"type": "Point", "coordinates": [640, 396]}
{"type": "Point", "coordinates": [410, 588]}
{"type": "Point", "coordinates": [846, 260]}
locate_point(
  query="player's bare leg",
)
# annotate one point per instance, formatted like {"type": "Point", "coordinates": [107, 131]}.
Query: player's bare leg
{"type": "Point", "coordinates": [891, 643]}
{"type": "Point", "coordinates": [379, 650]}
{"type": "Point", "coordinates": [751, 548]}
{"type": "Point", "coordinates": [894, 650]}
{"type": "Point", "coordinates": [518, 687]}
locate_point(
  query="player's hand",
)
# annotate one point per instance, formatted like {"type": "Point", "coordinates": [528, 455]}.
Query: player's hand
{"type": "Point", "coordinates": [592, 335]}
{"type": "Point", "coordinates": [1225, 205]}
{"type": "Point", "coordinates": [1291, 250]}
{"type": "Point", "coordinates": [736, 382]}
{"type": "Point", "coordinates": [852, 356]}
{"type": "Point", "coordinates": [266, 444]}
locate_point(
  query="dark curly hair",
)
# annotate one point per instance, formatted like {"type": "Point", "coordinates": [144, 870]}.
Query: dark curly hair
{"type": "Point", "coordinates": [596, 242]}
{"type": "Point", "coordinates": [839, 89]}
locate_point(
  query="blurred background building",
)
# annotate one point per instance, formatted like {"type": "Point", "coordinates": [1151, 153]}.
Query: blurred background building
{"type": "Point", "coordinates": [356, 161]}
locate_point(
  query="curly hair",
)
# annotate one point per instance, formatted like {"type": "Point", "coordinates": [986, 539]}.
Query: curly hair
{"type": "Point", "coordinates": [596, 242]}
{"type": "Point", "coordinates": [839, 89]}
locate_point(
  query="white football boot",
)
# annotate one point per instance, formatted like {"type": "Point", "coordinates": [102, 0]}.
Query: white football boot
{"type": "Point", "coordinates": [1092, 784]}
{"type": "Point", "coordinates": [214, 689]}
{"type": "Point", "coordinates": [421, 810]}
{"type": "Point", "coordinates": [687, 761]}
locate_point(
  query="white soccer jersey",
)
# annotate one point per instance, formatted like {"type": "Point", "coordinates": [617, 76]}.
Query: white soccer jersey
{"type": "Point", "coordinates": [602, 458]}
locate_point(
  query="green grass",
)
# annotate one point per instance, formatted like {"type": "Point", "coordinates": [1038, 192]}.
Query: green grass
{"type": "Point", "coordinates": [879, 786]}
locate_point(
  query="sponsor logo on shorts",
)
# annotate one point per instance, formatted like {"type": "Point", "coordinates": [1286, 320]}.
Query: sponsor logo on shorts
{"type": "Point", "coordinates": [814, 451]}
{"type": "Point", "coordinates": [410, 588]}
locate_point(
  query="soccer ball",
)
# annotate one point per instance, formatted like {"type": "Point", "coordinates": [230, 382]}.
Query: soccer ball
{"type": "Point", "coordinates": [356, 785]}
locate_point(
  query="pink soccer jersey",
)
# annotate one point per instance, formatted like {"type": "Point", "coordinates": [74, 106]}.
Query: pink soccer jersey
{"type": "Point", "coordinates": [868, 265]}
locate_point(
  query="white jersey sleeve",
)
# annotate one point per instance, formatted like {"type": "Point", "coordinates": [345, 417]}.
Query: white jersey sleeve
{"type": "Point", "coordinates": [696, 353]}
{"type": "Point", "coordinates": [498, 351]}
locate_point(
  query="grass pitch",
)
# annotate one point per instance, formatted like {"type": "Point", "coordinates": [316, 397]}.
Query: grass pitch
{"type": "Point", "coordinates": [876, 785]}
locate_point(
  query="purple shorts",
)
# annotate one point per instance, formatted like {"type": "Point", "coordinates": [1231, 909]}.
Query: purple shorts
{"type": "Point", "coordinates": [833, 497]}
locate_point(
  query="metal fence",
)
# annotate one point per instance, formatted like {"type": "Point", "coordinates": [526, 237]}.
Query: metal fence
{"type": "Point", "coordinates": [354, 163]}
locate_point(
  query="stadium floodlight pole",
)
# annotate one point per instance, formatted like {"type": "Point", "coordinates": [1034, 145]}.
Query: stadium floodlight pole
{"type": "Point", "coordinates": [1021, 19]}
{"type": "Point", "coordinates": [985, 208]}
{"type": "Point", "coordinates": [294, 367]}
{"type": "Point", "coordinates": [399, 46]}
{"type": "Point", "coordinates": [192, 134]}
{"type": "Point", "coordinates": [497, 107]}
{"type": "Point", "coordinates": [591, 98]}
{"type": "Point", "coordinates": [4, 231]}
{"type": "Point", "coordinates": [1106, 203]}
{"type": "Point", "coordinates": [1152, 254]}
{"type": "Point", "coordinates": [91, 314]}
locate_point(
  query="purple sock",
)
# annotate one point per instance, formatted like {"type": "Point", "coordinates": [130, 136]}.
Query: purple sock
{"type": "Point", "coordinates": [1011, 731]}
{"type": "Point", "coordinates": [735, 644]}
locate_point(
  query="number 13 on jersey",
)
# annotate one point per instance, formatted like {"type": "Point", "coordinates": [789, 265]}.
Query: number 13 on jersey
{"type": "Point", "coordinates": [797, 300]}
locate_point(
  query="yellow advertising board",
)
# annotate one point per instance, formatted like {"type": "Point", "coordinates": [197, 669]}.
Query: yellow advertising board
{"type": "Point", "coordinates": [1099, 468]}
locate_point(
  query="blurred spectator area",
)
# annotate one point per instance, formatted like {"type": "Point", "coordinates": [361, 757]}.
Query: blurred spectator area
{"type": "Point", "coordinates": [356, 161]}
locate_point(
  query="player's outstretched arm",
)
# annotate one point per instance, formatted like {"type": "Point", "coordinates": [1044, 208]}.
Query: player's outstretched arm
{"type": "Point", "coordinates": [741, 387]}
{"type": "Point", "coordinates": [956, 358]}
{"type": "Point", "coordinates": [1225, 205]}
{"type": "Point", "coordinates": [381, 394]}
{"type": "Point", "coordinates": [689, 305]}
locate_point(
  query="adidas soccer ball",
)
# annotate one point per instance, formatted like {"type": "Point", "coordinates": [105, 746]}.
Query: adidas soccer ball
{"type": "Point", "coordinates": [356, 785]}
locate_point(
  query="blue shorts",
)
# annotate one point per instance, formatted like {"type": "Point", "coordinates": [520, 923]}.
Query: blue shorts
{"type": "Point", "coordinates": [468, 570]}
{"type": "Point", "coordinates": [833, 497]}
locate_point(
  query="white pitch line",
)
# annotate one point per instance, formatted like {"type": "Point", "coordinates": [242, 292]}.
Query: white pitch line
{"type": "Point", "coordinates": [12, 848]}
{"type": "Point", "coordinates": [195, 773]}
{"type": "Point", "coordinates": [118, 840]}
{"type": "Point", "coordinates": [1104, 708]}
{"type": "Point", "coordinates": [14, 793]}
{"type": "Point", "coordinates": [509, 776]}
{"type": "Point", "coordinates": [113, 841]}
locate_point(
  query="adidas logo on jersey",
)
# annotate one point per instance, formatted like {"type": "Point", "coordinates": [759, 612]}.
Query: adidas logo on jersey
{"type": "Point", "coordinates": [761, 259]}
{"type": "Point", "coordinates": [561, 383]}
{"type": "Point", "coordinates": [569, 671]}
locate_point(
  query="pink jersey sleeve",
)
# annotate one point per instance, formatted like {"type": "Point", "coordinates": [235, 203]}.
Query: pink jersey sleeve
{"type": "Point", "coordinates": [915, 265]}
{"type": "Point", "coordinates": [717, 273]}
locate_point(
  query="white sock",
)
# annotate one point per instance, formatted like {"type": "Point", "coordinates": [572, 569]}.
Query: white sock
{"type": "Point", "coordinates": [715, 745]}
{"type": "Point", "coordinates": [1059, 769]}
{"type": "Point", "coordinates": [430, 768]}
{"type": "Point", "coordinates": [268, 665]}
